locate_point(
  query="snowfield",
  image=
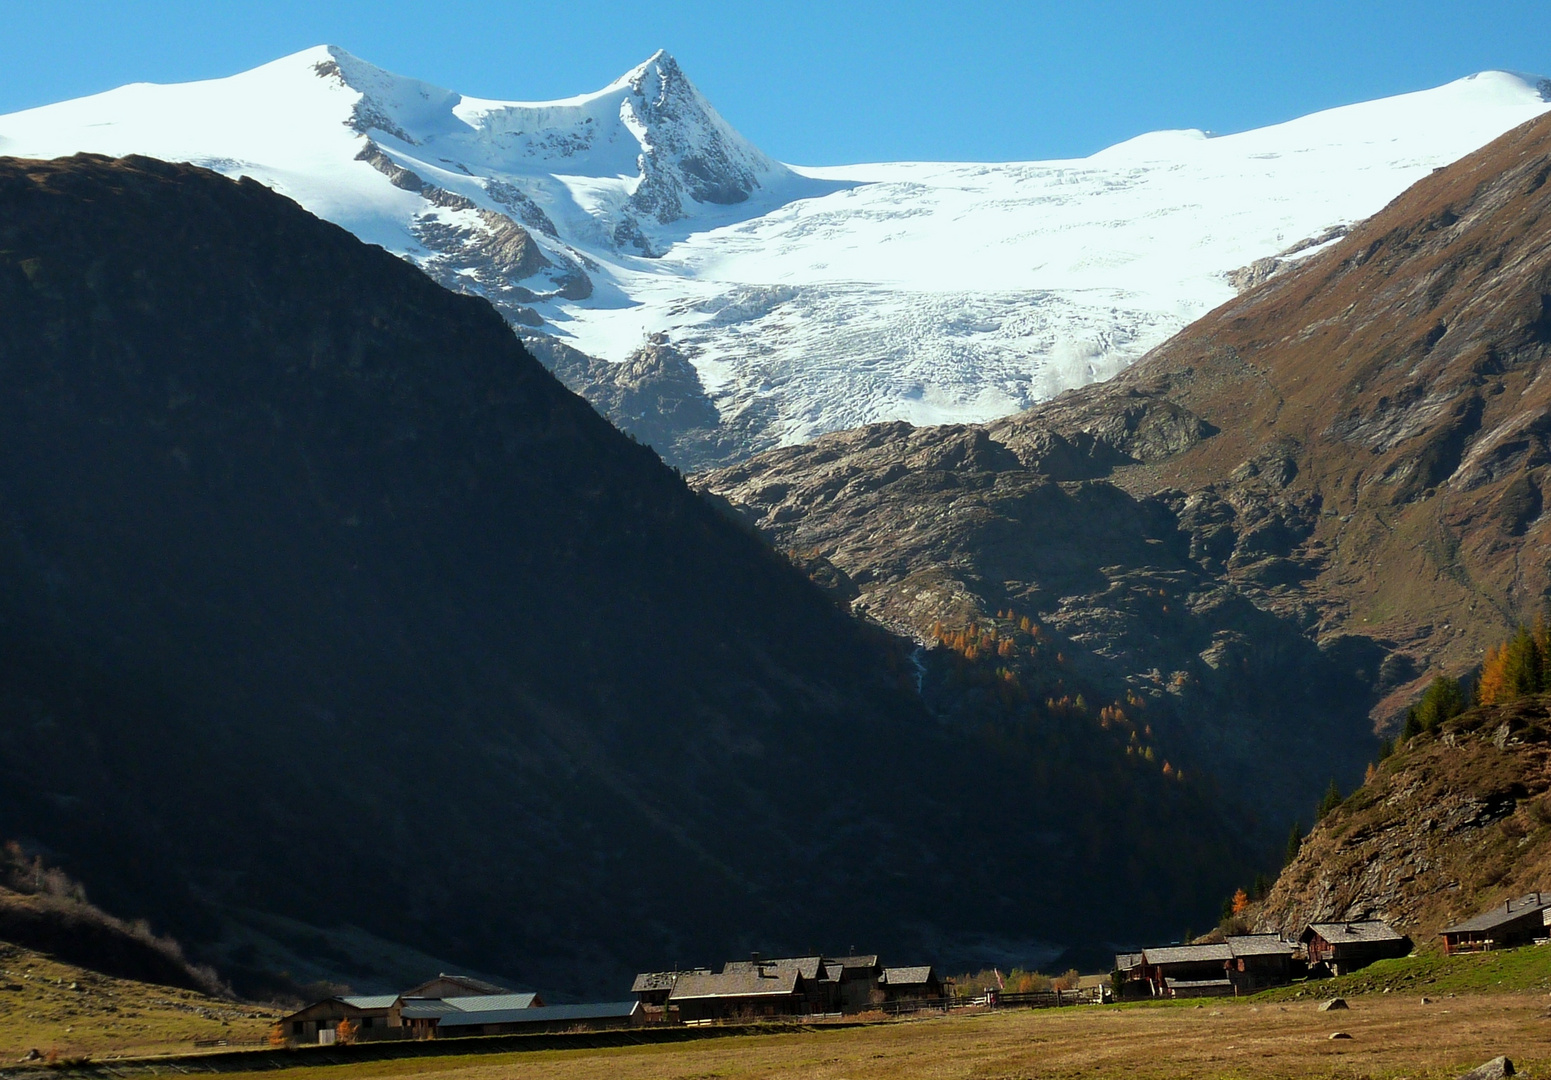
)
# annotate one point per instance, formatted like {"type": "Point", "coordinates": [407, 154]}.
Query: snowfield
{"type": "Point", "coordinates": [811, 298]}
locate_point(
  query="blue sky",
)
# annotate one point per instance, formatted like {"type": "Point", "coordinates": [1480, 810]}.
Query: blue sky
{"type": "Point", "coordinates": [827, 81]}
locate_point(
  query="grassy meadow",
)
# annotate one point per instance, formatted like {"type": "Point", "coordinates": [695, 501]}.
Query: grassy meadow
{"type": "Point", "coordinates": [54, 1007]}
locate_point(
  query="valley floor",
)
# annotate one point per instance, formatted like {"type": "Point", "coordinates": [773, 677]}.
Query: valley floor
{"type": "Point", "coordinates": [1392, 1037]}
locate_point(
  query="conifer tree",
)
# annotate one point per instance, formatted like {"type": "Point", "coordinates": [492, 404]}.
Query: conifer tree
{"type": "Point", "coordinates": [1328, 801]}
{"type": "Point", "coordinates": [1294, 843]}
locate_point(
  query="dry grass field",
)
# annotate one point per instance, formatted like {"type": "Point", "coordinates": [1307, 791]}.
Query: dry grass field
{"type": "Point", "coordinates": [1391, 1038]}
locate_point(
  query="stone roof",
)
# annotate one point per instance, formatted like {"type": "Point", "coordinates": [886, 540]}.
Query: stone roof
{"type": "Point", "coordinates": [661, 980]}
{"type": "Point", "coordinates": [731, 984]}
{"type": "Point", "coordinates": [1353, 932]}
{"type": "Point", "coordinates": [853, 961]}
{"type": "Point", "coordinates": [1125, 961]}
{"type": "Point", "coordinates": [1187, 954]}
{"type": "Point", "coordinates": [541, 1014]}
{"type": "Point", "coordinates": [808, 966]}
{"type": "Point", "coordinates": [1507, 912]}
{"type": "Point", "coordinates": [907, 976]}
{"type": "Point", "coordinates": [1259, 945]}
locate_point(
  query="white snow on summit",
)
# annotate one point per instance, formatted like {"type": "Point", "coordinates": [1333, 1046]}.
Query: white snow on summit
{"type": "Point", "coordinates": [808, 299]}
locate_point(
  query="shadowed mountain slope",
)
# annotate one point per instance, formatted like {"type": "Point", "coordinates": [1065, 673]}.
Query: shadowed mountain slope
{"type": "Point", "coordinates": [1277, 521]}
{"type": "Point", "coordinates": [328, 616]}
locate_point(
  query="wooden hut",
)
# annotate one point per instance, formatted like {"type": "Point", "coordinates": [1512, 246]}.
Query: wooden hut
{"type": "Point", "coordinates": [1181, 971]}
{"type": "Point", "coordinates": [1510, 924]}
{"type": "Point", "coordinates": [1258, 961]}
{"type": "Point", "coordinates": [911, 984]}
{"type": "Point", "coordinates": [1343, 947]}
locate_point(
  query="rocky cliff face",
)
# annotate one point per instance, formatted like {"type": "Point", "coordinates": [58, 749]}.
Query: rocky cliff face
{"type": "Point", "coordinates": [1281, 519]}
{"type": "Point", "coordinates": [1447, 827]}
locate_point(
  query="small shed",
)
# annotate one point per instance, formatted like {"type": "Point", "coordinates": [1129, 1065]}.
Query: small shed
{"type": "Point", "coordinates": [1510, 924]}
{"type": "Point", "coordinates": [1344, 947]}
{"type": "Point", "coordinates": [740, 995]}
{"type": "Point", "coordinates": [1181, 971]}
{"type": "Point", "coordinates": [540, 1018]}
{"type": "Point", "coordinates": [911, 984]}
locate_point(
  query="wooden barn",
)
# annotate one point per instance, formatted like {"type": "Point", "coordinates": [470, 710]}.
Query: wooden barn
{"type": "Point", "coordinates": [765, 991]}
{"type": "Point", "coordinates": [1182, 971]}
{"type": "Point", "coordinates": [1343, 947]}
{"type": "Point", "coordinates": [319, 1021]}
{"type": "Point", "coordinates": [1510, 924]}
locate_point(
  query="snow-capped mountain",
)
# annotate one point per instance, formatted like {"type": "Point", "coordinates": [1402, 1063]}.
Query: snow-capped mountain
{"type": "Point", "coordinates": [806, 299]}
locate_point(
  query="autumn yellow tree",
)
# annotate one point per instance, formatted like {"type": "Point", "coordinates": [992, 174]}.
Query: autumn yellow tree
{"type": "Point", "coordinates": [1240, 902]}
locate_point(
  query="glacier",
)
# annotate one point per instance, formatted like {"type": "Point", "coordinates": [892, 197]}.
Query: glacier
{"type": "Point", "coordinates": [805, 299]}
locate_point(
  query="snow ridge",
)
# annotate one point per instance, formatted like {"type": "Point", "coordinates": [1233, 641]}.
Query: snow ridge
{"type": "Point", "coordinates": [806, 299]}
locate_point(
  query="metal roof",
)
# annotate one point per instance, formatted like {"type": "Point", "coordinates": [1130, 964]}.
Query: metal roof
{"type": "Point", "coordinates": [1187, 954]}
{"type": "Point", "coordinates": [1507, 912]}
{"type": "Point", "coordinates": [542, 1014]}
{"type": "Point", "coordinates": [1357, 930]}
{"type": "Point", "coordinates": [493, 1002]}
{"type": "Point", "coordinates": [374, 1001]}
{"type": "Point", "coordinates": [1259, 945]}
{"type": "Point", "coordinates": [774, 982]}
{"type": "Point", "coordinates": [427, 1008]}
{"type": "Point", "coordinates": [907, 976]}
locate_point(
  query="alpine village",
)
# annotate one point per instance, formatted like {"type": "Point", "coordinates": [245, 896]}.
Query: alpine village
{"type": "Point", "coordinates": [527, 585]}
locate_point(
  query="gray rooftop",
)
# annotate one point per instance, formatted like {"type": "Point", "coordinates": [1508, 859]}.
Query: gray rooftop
{"type": "Point", "coordinates": [1259, 945]}
{"type": "Point", "coordinates": [661, 980]}
{"type": "Point", "coordinates": [466, 983]}
{"type": "Point", "coordinates": [1507, 912]}
{"type": "Point", "coordinates": [1125, 961]}
{"type": "Point", "coordinates": [907, 976]}
{"type": "Point", "coordinates": [853, 961]}
{"type": "Point", "coordinates": [1357, 930]}
{"type": "Point", "coordinates": [493, 1002]}
{"type": "Point", "coordinates": [427, 1008]}
{"type": "Point", "coordinates": [808, 966]}
{"type": "Point", "coordinates": [774, 981]}
{"type": "Point", "coordinates": [373, 1001]}
{"type": "Point", "coordinates": [1187, 954]}
{"type": "Point", "coordinates": [541, 1014]}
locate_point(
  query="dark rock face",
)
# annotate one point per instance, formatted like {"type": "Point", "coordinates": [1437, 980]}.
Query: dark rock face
{"type": "Point", "coordinates": [327, 611]}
